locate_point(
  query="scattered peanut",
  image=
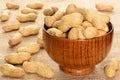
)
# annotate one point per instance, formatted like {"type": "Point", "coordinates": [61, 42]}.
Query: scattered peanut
{"type": "Point", "coordinates": [16, 39]}
{"type": "Point", "coordinates": [49, 20]}
{"type": "Point", "coordinates": [29, 10]}
{"type": "Point", "coordinates": [30, 48]}
{"type": "Point", "coordinates": [111, 68]}
{"type": "Point", "coordinates": [45, 71]}
{"type": "Point", "coordinates": [11, 5]}
{"type": "Point", "coordinates": [40, 41]}
{"type": "Point", "coordinates": [39, 68]}
{"type": "Point", "coordinates": [17, 58]}
{"type": "Point", "coordinates": [104, 7]}
{"type": "Point", "coordinates": [29, 30]}
{"type": "Point", "coordinates": [5, 15]}
{"type": "Point", "coordinates": [35, 5]}
{"type": "Point", "coordinates": [26, 17]}
{"type": "Point", "coordinates": [12, 71]}
{"type": "Point", "coordinates": [11, 27]}
{"type": "Point", "coordinates": [30, 67]}
{"type": "Point", "coordinates": [50, 11]}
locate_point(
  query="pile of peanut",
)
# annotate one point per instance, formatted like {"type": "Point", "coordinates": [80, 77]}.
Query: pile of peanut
{"type": "Point", "coordinates": [77, 23]}
{"type": "Point", "coordinates": [74, 23]}
{"type": "Point", "coordinates": [24, 53]}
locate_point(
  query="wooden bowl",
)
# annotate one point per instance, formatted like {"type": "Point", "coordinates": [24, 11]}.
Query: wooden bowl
{"type": "Point", "coordinates": [78, 57]}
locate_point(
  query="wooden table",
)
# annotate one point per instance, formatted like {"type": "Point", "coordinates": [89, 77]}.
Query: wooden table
{"type": "Point", "coordinates": [42, 56]}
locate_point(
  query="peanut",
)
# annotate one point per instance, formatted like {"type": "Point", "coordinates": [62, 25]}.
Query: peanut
{"type": "Point", "coordinates": [11, 5]}
{"type": "Point", "coordinates": [104, 7]}
{"type": "Point", "coordinates": [30, 48]}
{"type": "Point", "coordinates": [30, 67]}
{"type": "Point", "coordinates": [12, 71]}
{"type": "Point", "coordinates": [111, 68]}
{"type": "Point", "coordinates": [29, 30]}
{"type": "Point", "coordinates": [11, 27]}
{"type": "Point", "coordinates": [38, 68]}
{"type": "Point", "coordinates": [29, 10]}
{"type": "Point", "coordinates": [17, 58]}
{"type": "Point", "coordinates": [35, 5]}
{"type": "Point", "coordinates": [5, 15]}
{"type": "Point", "coordinates": [70, 20]}
{"type": "Point", "coordinates": [90, 32]}
{"type": "Point", "coordinates": [86, 24]}
{"type": "Point", "coordinates": [49, 20]}
{"type": "Point", "coordinates": [40, 41]}
{"type": "Point", "coordinates": [50, 11]}
{"type": "Point", "coordinates": [55, 32]}
{"type": "Point", "coordinates": [26, 17]}
{"type": "Point", "coordinates": [16, 39]}
{"type": "Point", "coordinates": [73, 34]}
{"type": "Point", "coordinates": [71, 8]}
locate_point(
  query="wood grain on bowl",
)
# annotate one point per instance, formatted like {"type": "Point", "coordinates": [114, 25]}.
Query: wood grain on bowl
{"type": "Point", "coordinates": [78, 57]}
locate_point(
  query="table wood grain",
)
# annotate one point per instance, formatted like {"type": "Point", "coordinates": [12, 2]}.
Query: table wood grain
{"type": "Point", "coordinates": [42, 56]}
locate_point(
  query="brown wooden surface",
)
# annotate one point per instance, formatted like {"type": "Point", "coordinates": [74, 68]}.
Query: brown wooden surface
{"type": "Point", "coordinates": [42, 56]}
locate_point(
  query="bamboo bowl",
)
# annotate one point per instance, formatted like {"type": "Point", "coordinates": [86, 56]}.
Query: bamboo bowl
{"type": "Point", "coordinates": [78, 57]}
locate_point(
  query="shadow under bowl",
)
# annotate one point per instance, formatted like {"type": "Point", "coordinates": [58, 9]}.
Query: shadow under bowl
{"type": "Point", "coordinates": [78, 57]}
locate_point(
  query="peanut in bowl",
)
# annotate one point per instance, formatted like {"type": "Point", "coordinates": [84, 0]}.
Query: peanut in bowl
{"type": "Point", "coordinates": [78, 57]}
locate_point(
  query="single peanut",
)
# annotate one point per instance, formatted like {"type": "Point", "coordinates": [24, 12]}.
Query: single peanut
{"type": "Point", "coordinates": [11, 5]}
{"type": "Point", "coordinates": [35, 5]}
{"type": "Point", "coordinates": [5, 15]}
{"type": "Point", "coordinates": [29, 10]}
{"type": "Point", "coordinates": [16, 39]}
{"type": "Point", "coordinates": [11, 27]}
{"type": "Point", "coordinates": [30, 48]}
{"type": "Point", "coordinates": [17, 58]}
{"type": "Point", "coordinates": [104, 7]}
{"type": "Point", "coordinates": [12, 71]}
{"type": "Point", "coordinates": [49, 20]}
{"type": "Point", "coordinates": [29, 30]}
{"type": "Point", "coordinates": [26, 17]}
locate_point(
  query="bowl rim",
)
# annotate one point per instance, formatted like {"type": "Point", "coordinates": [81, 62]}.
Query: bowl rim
{"type": "Point", "coordinates": [110, 31]}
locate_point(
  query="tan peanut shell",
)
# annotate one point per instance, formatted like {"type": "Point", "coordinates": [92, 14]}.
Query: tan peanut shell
{"type": "Point", "coordinates": [5, 15]}
{"type": "Point", "coordinates": [45, 71]}
{"type": "Point", "coordinates": [11, 27]}
{"type": "Point", "coordinates": [30, 67]}
{"type": "Point", "coordinates": [17, 58]}
{"type": "Point", "coordinates": [12, 71]}
{"type": "Point", "coordinates": [11, 5]}
{"type": "Point", "coordinates": [90, 32]}
{"type": "Point", "coordinates": [50, 11]}
{"type": "Point", "coordinates": [29, 10]}
{"type": "Point", "coordinates": [35, 5]}
{"type": "Point", "coordinates": [16, 39]}
{"type": "Point", "coordinates": [66, 22]}
{"type": "Point", "coordinates": [49, 20]}
{"type": "Point", "coordinates": [73, 34]}
{"type": "Point", "coordinates": [55, 32]}
{"type": "Point", "coordinates": [40, 41]}
{"type": "Point", "coordinates": [30, 17]}
{"type": "Point", "coordinates": [29, 30]}
{"type": "Point", "coordinates": [31, 48]}
{"type": "Point", "coordinates": [104, 7]}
